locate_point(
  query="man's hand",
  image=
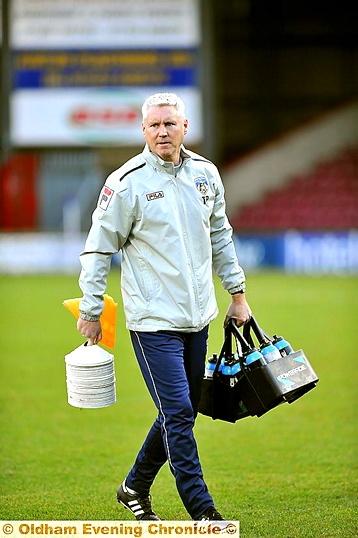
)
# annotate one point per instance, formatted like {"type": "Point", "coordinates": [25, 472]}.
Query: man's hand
{"type": "Point", "coordinates": [91, 330]}
{"type": "Point", "coordinates": [238, 310]}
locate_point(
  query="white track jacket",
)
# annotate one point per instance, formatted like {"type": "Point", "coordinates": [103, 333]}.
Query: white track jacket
{"type": "Point", "coordinates": [173, 232]}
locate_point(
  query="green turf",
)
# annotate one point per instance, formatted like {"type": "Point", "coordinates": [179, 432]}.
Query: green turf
{"type": "Point", "coordinates": [289, 474]}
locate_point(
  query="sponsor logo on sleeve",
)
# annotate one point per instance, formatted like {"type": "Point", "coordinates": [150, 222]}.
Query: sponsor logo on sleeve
{"type": "Point", "coordinates": [105, 197]}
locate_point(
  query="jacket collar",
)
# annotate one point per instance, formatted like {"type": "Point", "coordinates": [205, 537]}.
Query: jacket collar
{"type": "Point", "coordinates": [157, 162]}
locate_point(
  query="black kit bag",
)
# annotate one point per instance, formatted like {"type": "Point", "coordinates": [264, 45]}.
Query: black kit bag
{"type": "Point", "coordinates": [220, 396]}
{"type": "Point", "coordinates": [248, 381]}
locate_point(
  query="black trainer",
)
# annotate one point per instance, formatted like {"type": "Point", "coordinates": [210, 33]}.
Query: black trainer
{"type": "Point", "coordinates": [211, 514]}
{"type": "Point", "coordinates": [140, 507]}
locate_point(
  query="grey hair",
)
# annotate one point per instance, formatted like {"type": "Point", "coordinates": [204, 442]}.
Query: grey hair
{"type": "Point", "coordinates": [163, 99]}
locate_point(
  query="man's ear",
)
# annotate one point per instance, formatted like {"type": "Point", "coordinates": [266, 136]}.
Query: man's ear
{"type": "Point", "coordinates": [186, 126]}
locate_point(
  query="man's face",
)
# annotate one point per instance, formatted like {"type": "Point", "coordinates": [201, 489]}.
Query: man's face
{"type": "Point", "coordinates": [164, 130]}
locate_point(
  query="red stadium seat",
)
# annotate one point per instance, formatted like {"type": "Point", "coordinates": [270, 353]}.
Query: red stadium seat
{"type": "Point", "coordinates": [324, 199]}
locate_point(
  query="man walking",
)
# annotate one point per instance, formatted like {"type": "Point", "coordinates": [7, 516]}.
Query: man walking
{"type": "Point", "coordinates": [165, 210]}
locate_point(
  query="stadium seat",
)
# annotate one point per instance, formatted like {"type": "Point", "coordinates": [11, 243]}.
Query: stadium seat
{"type": "Point", "coordinates": [324, 199]}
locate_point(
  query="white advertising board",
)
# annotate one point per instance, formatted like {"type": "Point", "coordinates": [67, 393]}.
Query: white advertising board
{"type": "Point", "coordinates": [90, 116]}
{"type": "Point", "coordinates": [43, 24]}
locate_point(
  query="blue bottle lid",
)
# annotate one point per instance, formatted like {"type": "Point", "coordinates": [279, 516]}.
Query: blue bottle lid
{"type": "Point", "coordinates": [282, 345]}
{"type": "Point", "coordinates": [253, 356]}
{"type": "Point", "coordinates": [235, 368]}
{"type": "Point", "coordinates": [226, 369]}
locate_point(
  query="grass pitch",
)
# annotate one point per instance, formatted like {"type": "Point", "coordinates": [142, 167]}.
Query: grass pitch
{"type": "Point", "coordinates": [289, 474]}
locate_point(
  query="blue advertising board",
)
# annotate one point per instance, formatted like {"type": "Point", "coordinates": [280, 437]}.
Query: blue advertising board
{"type": "Point", "coordinates": [300, 252]}
{"type": "Point", "coordinates": [81, 68]}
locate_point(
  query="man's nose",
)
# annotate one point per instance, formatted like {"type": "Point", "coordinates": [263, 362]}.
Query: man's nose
{"type": "Point", "coordinates": [163, 131]}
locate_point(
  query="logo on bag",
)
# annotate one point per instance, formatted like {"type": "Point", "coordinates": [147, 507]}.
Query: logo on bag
{"type": "Point", "coordinates": [282, 378]}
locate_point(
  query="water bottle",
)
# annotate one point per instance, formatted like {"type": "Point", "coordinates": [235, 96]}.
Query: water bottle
{"type": "Point", "coordinates": [210, 366]}
{"type": "Point", "coordinates": [236, 367]}
{"type": "Point", "coordinates": [254, 358]}
{"type": "Point", "coordinates": [227, 364]}
{"type": "Point", "coordinates": [226, 369]}
{"type": "Point", "coordinates": [282, 345]}
{"type": "Point", "coordinates": [270, 352]}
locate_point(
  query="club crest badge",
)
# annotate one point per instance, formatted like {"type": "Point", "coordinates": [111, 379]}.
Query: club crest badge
{"type": "Point", "coordinates": [202, 185]}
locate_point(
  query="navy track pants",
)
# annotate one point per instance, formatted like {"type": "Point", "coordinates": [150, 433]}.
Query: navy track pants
{"type": "Point", "coordinates": [172, 364]}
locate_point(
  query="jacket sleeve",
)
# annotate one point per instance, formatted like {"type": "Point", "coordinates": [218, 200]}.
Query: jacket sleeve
{"type": "Point", "coordinates": [109, 231]}
{"type": "Point", "coordinates": [225, 261]}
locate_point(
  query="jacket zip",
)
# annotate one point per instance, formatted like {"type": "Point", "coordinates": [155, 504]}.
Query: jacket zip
{"type": "Point", "coordinates": [188, 245]}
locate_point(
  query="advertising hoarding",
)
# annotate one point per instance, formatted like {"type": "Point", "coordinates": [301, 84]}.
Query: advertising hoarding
{"type": "Point", "coordinates": [81, 70]}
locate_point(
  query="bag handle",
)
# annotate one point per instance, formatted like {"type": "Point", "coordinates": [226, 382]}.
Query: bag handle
{"type": "Point", "coordinates": [226, 349]}
{"type": "Point", "coordinates": [260, 334]}
{"type": "Point", "coordinates": [244, 338]}
{"type": "Point", "coordinates": [231, 330]}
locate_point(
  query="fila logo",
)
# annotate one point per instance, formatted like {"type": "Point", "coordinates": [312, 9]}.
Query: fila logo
{"type": "Point", "coordinates": [155, 195]}
{"type": "Point", "coordinates": [105, 197]}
